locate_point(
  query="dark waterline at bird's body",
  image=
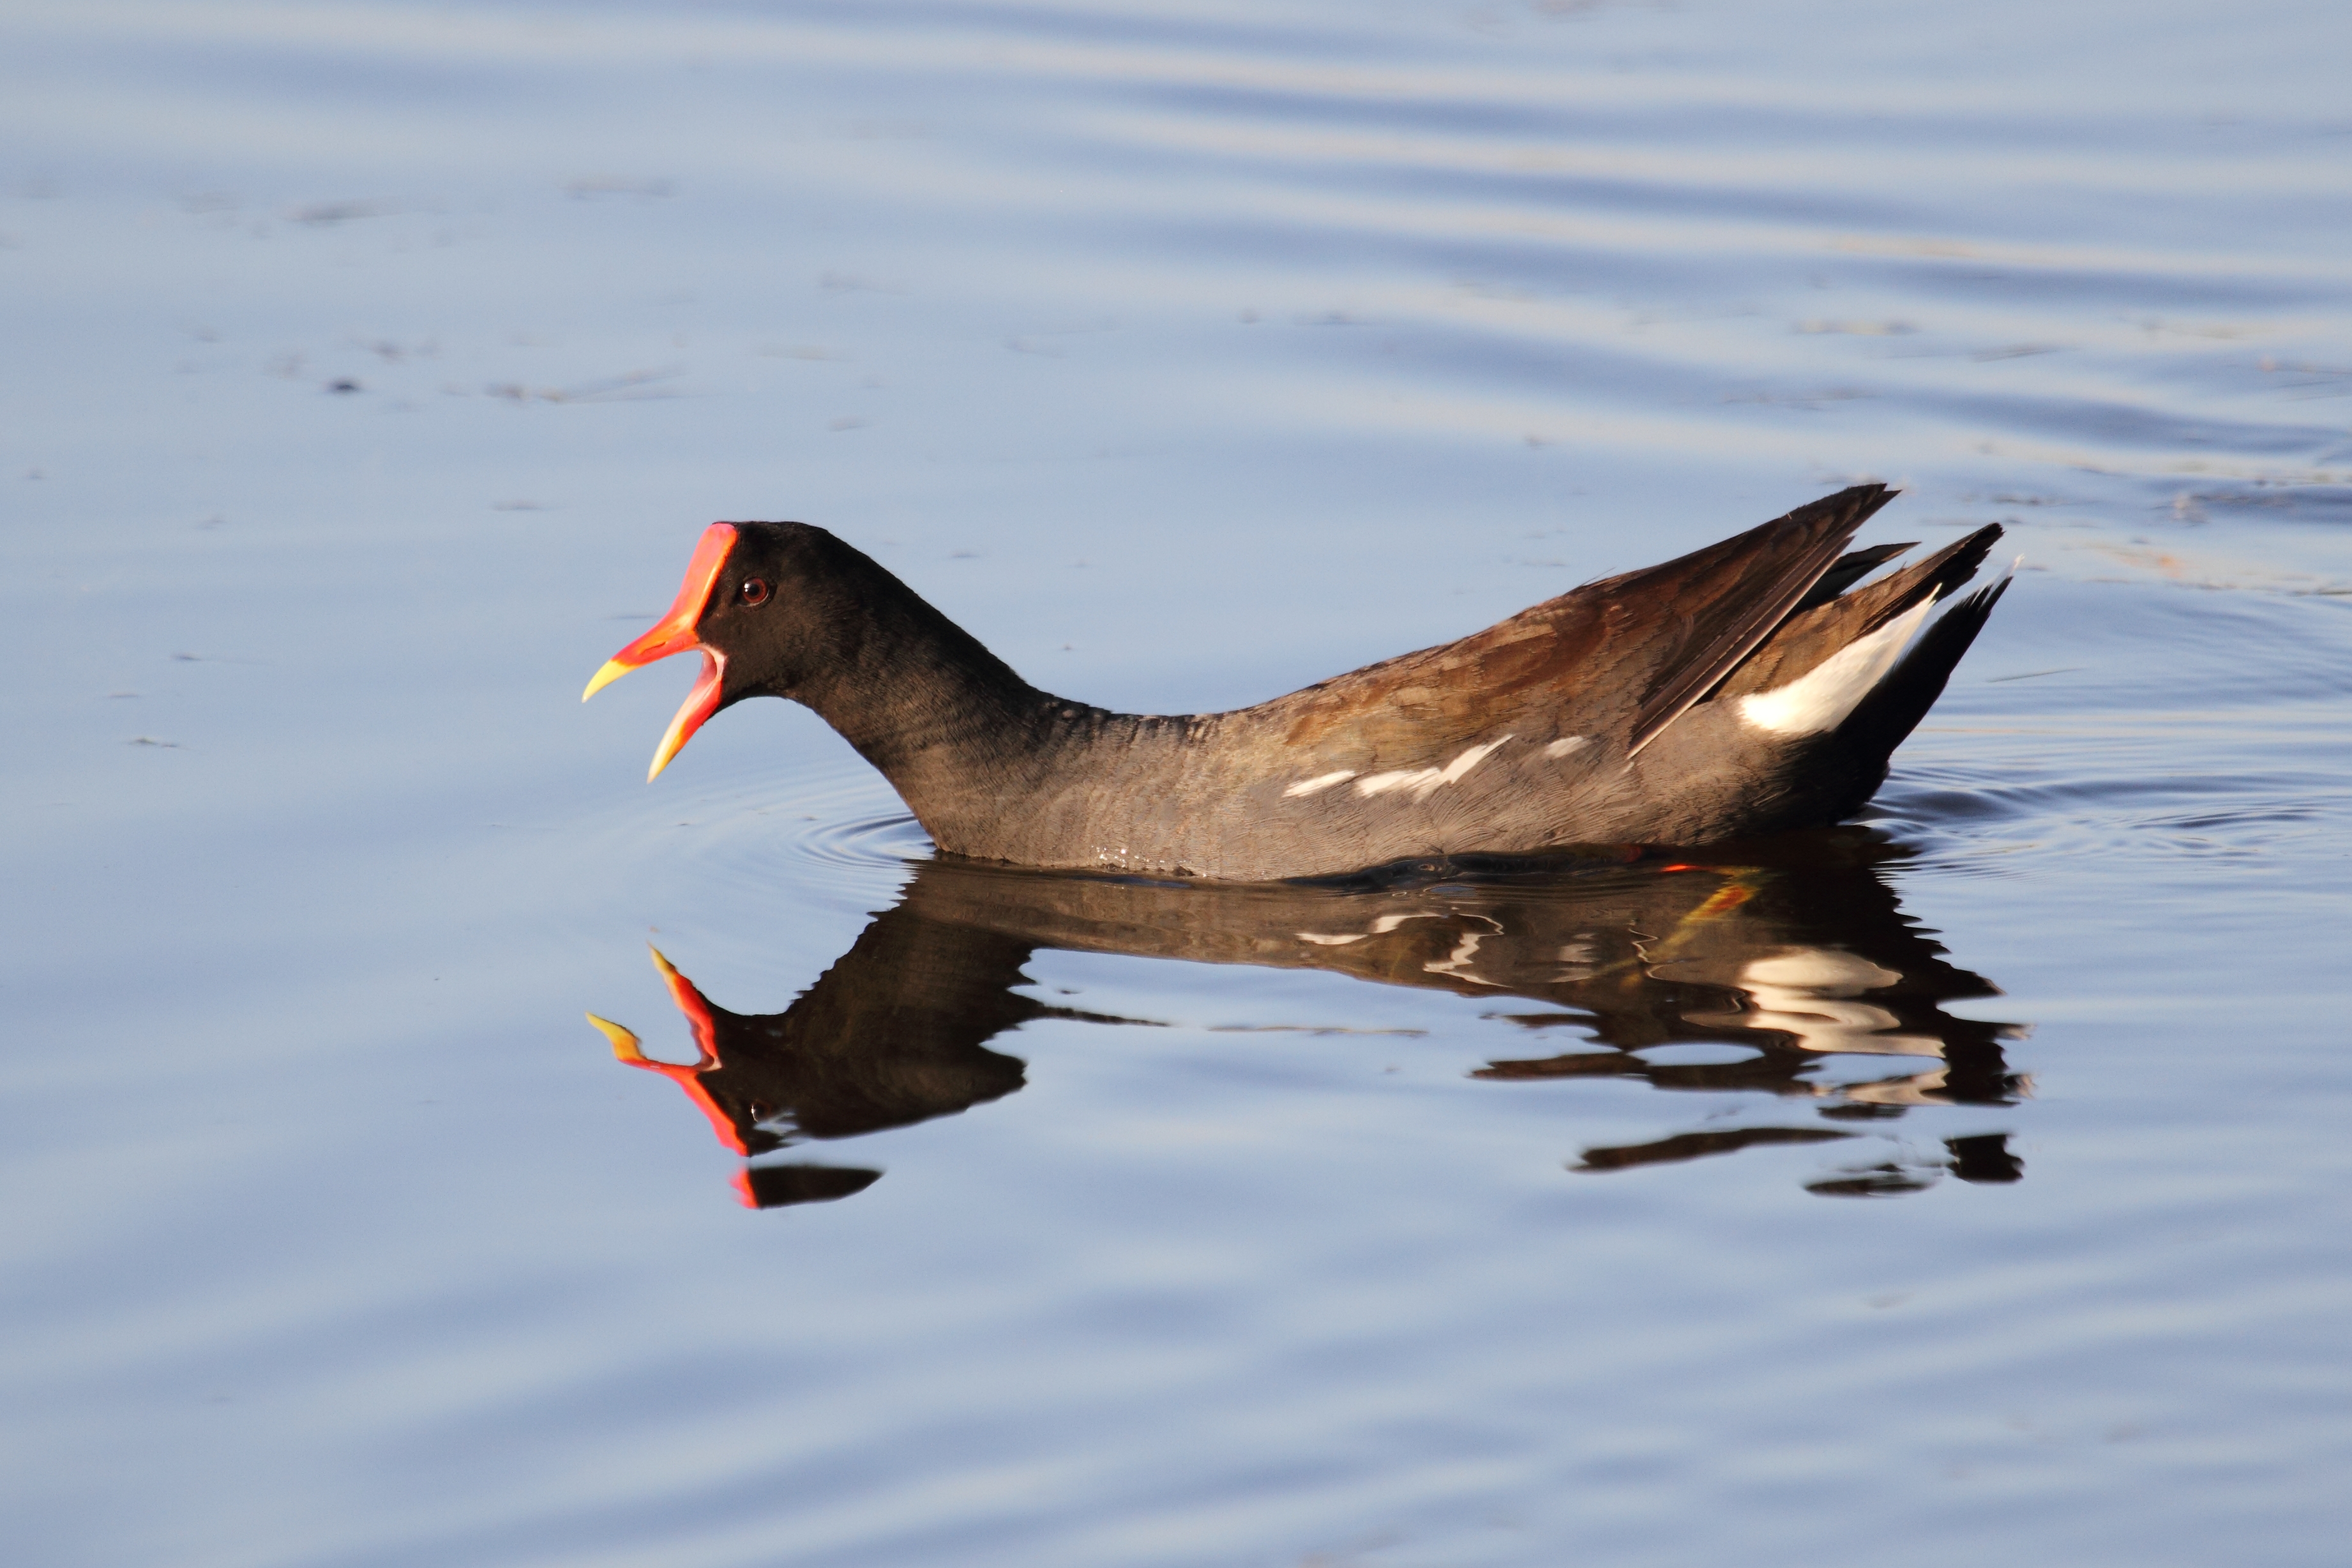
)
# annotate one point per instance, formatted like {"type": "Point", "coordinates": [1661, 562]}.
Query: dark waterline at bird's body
{"type": "Point", "coordinates": [1744, 688]}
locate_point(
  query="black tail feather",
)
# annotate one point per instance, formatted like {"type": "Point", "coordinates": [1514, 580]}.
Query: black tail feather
{"type": "Point", "coordinates": [1894, 707]}
{"type": "Point", "coordinates": [1939, 575]}
{"type": "Point", "coordinates": [1808, 637]}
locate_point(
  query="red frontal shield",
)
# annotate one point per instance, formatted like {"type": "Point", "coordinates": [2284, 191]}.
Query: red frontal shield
{"type": "Point", "coordinates": [674, 633]}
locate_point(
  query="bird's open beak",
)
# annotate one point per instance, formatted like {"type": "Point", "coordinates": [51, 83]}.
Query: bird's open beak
{"type": "Point", "coordinates": [674, 633]}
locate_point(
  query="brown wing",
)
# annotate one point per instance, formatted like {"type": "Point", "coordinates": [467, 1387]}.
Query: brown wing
{"type": "Point", "coordinates": [1623, 657]}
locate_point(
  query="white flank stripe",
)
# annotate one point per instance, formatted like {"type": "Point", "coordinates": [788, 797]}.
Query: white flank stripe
{"type": "Point", "coordinates": [1308, 787]}
{"type": "Point", "coordinates": [1566, 744]}
{"type": "Point", "coordinates": [1421, 781]}
{"type": "Point", "coordinates": [1822, 697]}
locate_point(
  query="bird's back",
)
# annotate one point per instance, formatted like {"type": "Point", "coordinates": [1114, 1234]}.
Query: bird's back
{"type": "Point", "coordinates": [1620, 711]}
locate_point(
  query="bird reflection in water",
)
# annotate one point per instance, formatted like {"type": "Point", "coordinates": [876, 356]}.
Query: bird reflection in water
{"type": "Point", "coordinates": [1797, 954]}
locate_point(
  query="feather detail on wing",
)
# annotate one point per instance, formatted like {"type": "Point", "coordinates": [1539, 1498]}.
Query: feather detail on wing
{"type": "Point", "coordinates": [1818, 633]}
{"type": "Point", "coordinates": [1617, 659]}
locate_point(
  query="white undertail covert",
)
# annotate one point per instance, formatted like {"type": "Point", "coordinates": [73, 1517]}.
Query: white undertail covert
{"type": "Point", "coordinates": [1822, 697]}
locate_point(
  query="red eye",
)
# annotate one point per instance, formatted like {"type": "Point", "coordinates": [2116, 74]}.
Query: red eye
{"type": "Point", "coordinates": [754, 590]}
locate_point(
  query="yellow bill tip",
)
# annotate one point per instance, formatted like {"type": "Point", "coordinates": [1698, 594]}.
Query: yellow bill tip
{"type": "Point", "coordinates": [612, 671]}
{"type": "Point", "coordinates": [624, 1043]}
{"type": "Point", "coordinates": [690, 719]}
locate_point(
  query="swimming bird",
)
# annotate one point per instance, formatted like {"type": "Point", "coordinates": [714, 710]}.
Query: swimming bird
{"type": "Point", "coordinates": [1744, 688]}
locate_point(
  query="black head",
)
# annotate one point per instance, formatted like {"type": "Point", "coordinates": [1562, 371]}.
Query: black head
{"type": "Point", "coordinates": [783, 609]}
{"type": "Point", "coordinates": [786, 608]}
{"type": "Point", "coordinates": [764, 604]}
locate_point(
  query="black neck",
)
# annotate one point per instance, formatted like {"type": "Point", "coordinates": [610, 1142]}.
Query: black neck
{"type": "Point", "coordinates": [951, 725]}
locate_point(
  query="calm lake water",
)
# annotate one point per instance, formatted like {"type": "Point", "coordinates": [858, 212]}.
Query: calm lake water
{"type": "Point", "coordinates": [1969, 1185]}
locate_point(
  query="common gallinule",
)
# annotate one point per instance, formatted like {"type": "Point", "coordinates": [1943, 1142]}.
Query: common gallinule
{"type": "Point", "coordinates": [1740, 690]}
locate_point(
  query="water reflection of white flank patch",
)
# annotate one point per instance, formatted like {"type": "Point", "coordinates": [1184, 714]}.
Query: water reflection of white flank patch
{"type": "Point", "coordinates": [1379, 927]}
{"type": "Point", "coordinates": [1457, 963]}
